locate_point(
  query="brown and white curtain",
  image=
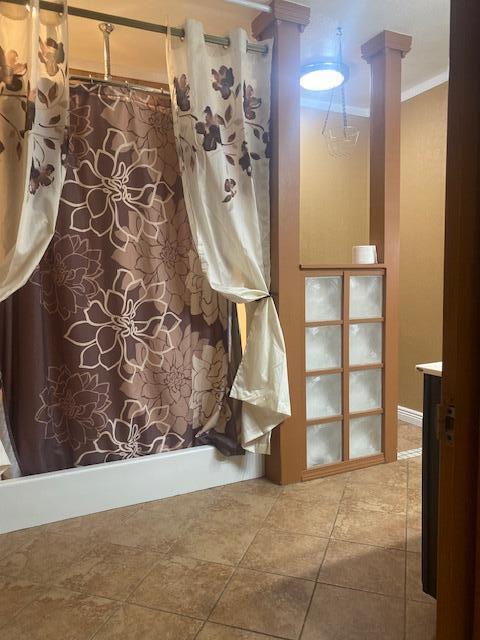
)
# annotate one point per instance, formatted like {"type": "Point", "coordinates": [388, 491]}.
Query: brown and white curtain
{"type": "Point", "coordinates": [33, 114]}
{"type": "Point", "coordinates": [117, 347]}
{"type": "Point", "coordinates": [221, 102]}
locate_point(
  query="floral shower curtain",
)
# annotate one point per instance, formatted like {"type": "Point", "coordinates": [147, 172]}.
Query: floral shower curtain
{"type": "Point", "coordinates": [222, 98]}
{"type": "Point", "coordinates": [117, 346]}
{"type": "Point", "coordinates": [33, 111]}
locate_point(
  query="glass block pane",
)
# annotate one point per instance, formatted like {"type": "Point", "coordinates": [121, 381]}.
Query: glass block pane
{"type": "Point", "coordinates": [366, 343]}
{"type": "Point", "coordinates": [324, 396]}
{"type": "Point", "coordinates": [323, 298]}
{"type": "Point", "coordinates": [324, 444]}
{"type": "Point", "coordinates": [323, 347]}
{"type": "Point", "coordinates": [365, 436]}
{"type": "Point", "coordinates": [366, 296]}
{"type": "Point", "coordinates": [365, 390]}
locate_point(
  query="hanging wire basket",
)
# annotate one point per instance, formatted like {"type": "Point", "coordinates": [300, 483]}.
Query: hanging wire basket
{"type": "Point", "coordinates": [341, 140]}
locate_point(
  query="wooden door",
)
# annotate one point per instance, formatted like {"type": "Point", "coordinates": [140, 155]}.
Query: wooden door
{"type": "Point", "coordinates": [458, 603]}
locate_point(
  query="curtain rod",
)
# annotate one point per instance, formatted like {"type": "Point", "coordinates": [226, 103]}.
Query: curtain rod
{"type": "Point", "coordinates": [137, 24]}
{"type": "Point", "coordinates": [125, 84]}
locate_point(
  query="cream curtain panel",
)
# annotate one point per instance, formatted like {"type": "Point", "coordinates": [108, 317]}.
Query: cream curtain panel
{"type": "Point", "coordinates": [33, 115]}
{"type": "Point", "coordinates": [33, 112]}
{"type": "Point", "coordinates": [221, 105]}
{"type": "Point", "coordinates": [9, 467]}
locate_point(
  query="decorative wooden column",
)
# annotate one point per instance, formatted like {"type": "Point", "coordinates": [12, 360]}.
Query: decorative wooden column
{"type": "Point", "coordinates": [384, 53]}
{"type": "Point", "coordinates": [285, 24]}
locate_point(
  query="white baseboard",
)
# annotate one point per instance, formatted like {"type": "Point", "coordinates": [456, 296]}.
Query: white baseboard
{"type": "Point", "coordinates": [412, 416]}
{"type": "Point", "coordinates": [49, 497]}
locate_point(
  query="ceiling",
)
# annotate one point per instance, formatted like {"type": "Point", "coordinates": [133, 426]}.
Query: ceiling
{"type": "Point", "coordinates": [142, 55]}
{"type": "Point", "coordinates": [426, 20]}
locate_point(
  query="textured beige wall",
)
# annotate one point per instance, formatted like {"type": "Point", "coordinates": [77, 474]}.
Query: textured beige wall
{"type": "Point", "coordinates": [334, 193]}
{"type": "Point", "coordinates": [424, 131]}
{"type": "Point", "coordinates": [334, 216]}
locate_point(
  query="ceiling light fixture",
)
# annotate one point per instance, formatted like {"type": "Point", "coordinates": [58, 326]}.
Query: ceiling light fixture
{"type": "Point", "coordinates": [323, 75]}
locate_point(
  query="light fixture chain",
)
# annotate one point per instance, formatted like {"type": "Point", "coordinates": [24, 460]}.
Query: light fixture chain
{"type": "Point", "coordinates": [325, 122]}
{"type": "Point", "coordinates": [344, 110]}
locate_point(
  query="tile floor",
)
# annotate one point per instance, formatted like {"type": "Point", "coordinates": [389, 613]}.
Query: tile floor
{"type": "Point", "coordinates": [333, 559]}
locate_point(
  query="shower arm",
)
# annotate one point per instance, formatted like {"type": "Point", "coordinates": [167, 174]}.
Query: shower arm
{"type": "Point", "coordinates": [106, 28]}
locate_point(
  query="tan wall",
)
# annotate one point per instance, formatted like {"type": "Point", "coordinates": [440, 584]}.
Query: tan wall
{"type": "Point", "coordinates": [334, 193]}
{"type": "Point", "coordinates": [334, 216]}
{"type": "Point", "coordinates": [424, 130]}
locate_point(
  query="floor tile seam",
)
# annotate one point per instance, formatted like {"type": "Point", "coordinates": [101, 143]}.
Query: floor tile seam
{"type": "Point", "coordinates": [118, 545]}
{"type": "Point", "coordinates": [427, 604]}
{"type": "Point", "coordinates": [49, 587]}
{"type": "Point", "coordinates": [360, 590]}
{"type": "Point", "coordinates": [302, 533]}
{"type": "Point", "coordinates": [181, 614]}
{"type": "Point", "coordinates": [214, 606]}
{"type": "Point", "coordinates": [385, 546]}
{"type": "Point", "coordinates": [23, 546]}
{"type": "Point", "coordinates": [269, 528]}
{"type": "Point", "coordinates": [272, 573]}
{"type": "Point", "coordinates": [323, 560]}
{"type": "Point", "coordinates": [389, 486]}
{"type": "Point", "coordinates": [92, 537]}
{"type": "Point", "coordinates": [140, 580]}
{"type": "Point", "coordinates": [420, 601]}
{"type": "Point", "coordinates": [128, 600]}
{"type": "Point", "coordinates": [261, 526]}
{"type": "Point", "coordinates": [204, 622]}
{"type": "Point", "coordinates": [148, 608]}
{"type": "Point", "coordinates": [235, 568]}
{"type": "Point", "coordinates": [326, 536]}
{"type": "Point", "coordinates": [132, 602]}
{"type": "Point", "coordinates": [338, 510]}
{"type": "Point", "coordinates": [52, 586]}
{"type": "Point", "coordinates": [315, 587]}
{"type": "Point", "coordinates": [51, 582]}
{"type": "Point", "coordinates": [122, 603]}
{"type": "Point", "coordinates": [353, 506]}
{"type": "Point", "coordinates": [379, 547]}
{"type": "Point", "coordinates": [49, 526]}
{"type": "Point", "coordinates": [21, 610]}
{"type": "Point", "coordinates": [105, 622]}
{"type": "Point", "coordinates": [233, 626]}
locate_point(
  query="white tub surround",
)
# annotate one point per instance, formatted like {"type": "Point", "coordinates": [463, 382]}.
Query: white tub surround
{"type": "Point", "coordinates": [49, 497]}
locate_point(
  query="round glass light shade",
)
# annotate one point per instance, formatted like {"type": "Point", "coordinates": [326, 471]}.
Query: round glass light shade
{"type": "Point", "coordinates": [323, 76]}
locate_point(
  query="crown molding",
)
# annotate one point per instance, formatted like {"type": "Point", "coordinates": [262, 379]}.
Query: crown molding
{"type": "Point", "coordinates": [421, 87]}
{"type": "Point", "coordinates": [322, 105]}
{"type": "Point", "coordinates": [364, 112]}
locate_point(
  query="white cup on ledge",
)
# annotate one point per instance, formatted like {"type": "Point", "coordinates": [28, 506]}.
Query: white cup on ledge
{"type": "Point", "coordinates": [364, 254]}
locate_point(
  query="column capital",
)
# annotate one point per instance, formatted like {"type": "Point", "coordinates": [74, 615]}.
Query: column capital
{"type": "Point", "coordinates": [284, 11]}
{"type": "Point", "coordinates": [386, 40]}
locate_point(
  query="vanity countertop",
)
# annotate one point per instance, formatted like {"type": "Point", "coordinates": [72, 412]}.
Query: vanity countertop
{"type": "Point", "coordinates": [430, 368]}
